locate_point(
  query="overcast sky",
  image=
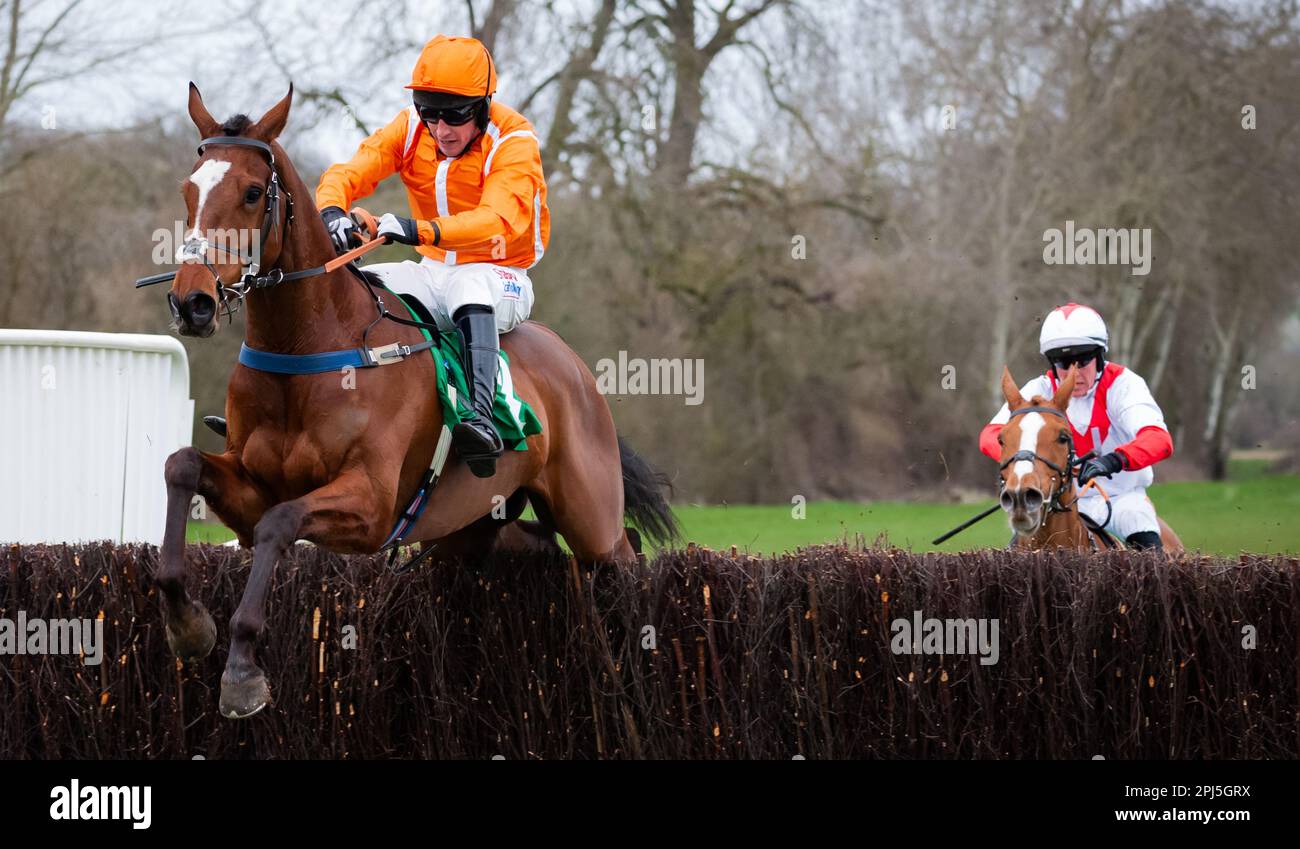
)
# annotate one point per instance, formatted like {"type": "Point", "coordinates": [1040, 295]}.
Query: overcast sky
{"type": "Point", "coordinates": [216, 45]}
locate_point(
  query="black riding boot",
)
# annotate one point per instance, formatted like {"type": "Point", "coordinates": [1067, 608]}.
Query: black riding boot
{"type": "Point", "coordinates": [216, 424]}
{"type": "Point", "coordinates": [477, 441]}
{"type": "Point", "coordinates": [1143, 540]}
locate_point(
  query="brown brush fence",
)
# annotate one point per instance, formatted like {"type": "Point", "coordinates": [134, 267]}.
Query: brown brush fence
{"type": "Point", "coordinates": [1118, 655]}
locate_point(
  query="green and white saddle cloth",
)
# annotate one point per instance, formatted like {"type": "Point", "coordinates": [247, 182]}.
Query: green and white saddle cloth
{"type": "Point", "coordinates": [514, 419]}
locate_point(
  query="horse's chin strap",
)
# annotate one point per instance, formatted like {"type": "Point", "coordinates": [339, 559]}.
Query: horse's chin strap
{"type": "Point", "coordinates": [1052, 504]}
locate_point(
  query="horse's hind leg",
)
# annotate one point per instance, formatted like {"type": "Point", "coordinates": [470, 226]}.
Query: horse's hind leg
{"type": "Point", "coordinates": [340, 515]}
{"type": "Point", "coordinates": [190, 630]}
{"type": "Point", "coordinates": [506, 533]}
{"type": "Point", "coordinates": [527, 536]}
{"type": "Point", "coordinates": [583, 499]}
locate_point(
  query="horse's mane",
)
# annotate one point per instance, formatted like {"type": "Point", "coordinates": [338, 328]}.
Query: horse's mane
{"type": "Point", "coordinates": [236, 124]}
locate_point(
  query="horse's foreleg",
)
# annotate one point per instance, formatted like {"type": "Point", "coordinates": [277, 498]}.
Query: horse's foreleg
{"type": "Point", "coordinates": [340, 515]}
{"type": "Point", "coordinates": [189, 628]}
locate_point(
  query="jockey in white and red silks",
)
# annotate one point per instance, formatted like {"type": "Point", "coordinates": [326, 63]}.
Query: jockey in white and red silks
{"type": "Point", "coordinates": [1112, 412]}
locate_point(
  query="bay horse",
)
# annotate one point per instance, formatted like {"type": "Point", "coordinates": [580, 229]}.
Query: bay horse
{"type": "Point", "coordinates": [333, 461]}
{"type": "Point", "coordinates": [1037, 477]}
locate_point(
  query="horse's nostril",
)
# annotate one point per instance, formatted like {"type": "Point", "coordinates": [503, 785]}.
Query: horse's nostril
{"type": "Point", "coordinates": [1033, 499]}
{"type": "Point", "coordinates": [1007, 500]}
{"type": "Point", "coordinates": [199, 309]}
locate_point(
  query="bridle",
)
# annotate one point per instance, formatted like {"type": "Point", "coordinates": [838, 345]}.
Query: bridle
{"type": "Point", "coordinates": [1053, 504]}
{"type": "Point", "coordinates": [249, 279]}
{"type": "Point", "coordinates": [196, 247]}
{"type": "Point", "coordinates": [232, 295]}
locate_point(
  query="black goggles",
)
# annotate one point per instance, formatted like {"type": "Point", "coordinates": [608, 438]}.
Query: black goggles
{"type": "Point", "coordinates": [1064, 362]}
{"type": "Point", "coordinates": [452, 116]}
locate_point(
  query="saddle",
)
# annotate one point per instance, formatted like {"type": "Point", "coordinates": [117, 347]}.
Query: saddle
{"type": "Point", "coordinates": [513, 417]}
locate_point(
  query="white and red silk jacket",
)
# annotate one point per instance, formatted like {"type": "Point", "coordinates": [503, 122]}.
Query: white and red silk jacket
{"type": "Point", "coordinates": [1117, 414]}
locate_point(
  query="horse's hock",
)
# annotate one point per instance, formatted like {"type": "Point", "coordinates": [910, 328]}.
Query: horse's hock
{"type": "Point", "coordinates": [694, 655]}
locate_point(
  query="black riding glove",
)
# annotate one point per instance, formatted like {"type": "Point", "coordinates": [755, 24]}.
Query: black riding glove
{"type": "Point", "coordinates": [1101, 467]}
{"type": "Point", "coordinates": [343, 230]}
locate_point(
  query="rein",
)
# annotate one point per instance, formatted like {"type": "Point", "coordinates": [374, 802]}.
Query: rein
{"type": "Point", "coordinates": [196, 247]}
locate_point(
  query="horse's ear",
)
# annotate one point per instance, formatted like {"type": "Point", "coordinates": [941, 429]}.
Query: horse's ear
{"type": "Point", "coordinates": [1010, 391]}
{"type": "Point", "coordinates": [1061, 400]}
{"type": "Point", "coordinates": [270, 125]}
{"type": "Point", "coordinates": [199, 114]}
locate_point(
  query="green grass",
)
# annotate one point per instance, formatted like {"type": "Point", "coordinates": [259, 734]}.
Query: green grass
{"type": "Point", "coordinates": [1253, 513]}
{"type": "Point", "coordinates": [1222, 518]}
{"type": "Point", "coordinates": [1248, 468]}
{"type": "Point", "coordinates": [207, 532]}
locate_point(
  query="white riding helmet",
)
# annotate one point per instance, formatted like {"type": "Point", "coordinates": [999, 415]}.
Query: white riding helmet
{"type": "Point", "coordinates": [1073, 326]}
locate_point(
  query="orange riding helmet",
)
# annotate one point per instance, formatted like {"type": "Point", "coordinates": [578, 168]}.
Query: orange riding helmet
{"type": "Point", "coordinates": [454, 71]}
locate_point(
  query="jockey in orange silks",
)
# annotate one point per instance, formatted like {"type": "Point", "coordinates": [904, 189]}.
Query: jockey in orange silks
{"type": "Point", "coordinates": [473, 175]}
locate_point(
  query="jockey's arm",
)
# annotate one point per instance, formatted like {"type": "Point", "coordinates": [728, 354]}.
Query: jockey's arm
{"type": "Point", "coordinates": [989, 440]}
{"type": "Point", "coordinates": [1136, 410]}
{"type": "Point", "coordinates": [1150, 446]}
{"type": "Point", "coordinates": [345, 183]}
{"type": "Point", "coordinates": [506, 209]}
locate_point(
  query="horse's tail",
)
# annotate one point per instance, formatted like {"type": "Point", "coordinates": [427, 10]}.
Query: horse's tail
{"type": "Point", "coordinates": [643, 497]}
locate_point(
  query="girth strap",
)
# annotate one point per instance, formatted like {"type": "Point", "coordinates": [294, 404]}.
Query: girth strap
{"type": "Point", "coordinates": [328, 360]}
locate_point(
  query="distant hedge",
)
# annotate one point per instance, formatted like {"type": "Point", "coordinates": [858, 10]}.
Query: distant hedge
{"type": "Point", "coordinates": [1119, 655]}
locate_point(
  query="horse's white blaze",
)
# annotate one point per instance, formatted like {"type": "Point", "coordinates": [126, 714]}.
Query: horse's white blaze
{"type": "Point", "coordinates": [1030, 425]}
{"type": "Point", "coordinates": [206, 178]}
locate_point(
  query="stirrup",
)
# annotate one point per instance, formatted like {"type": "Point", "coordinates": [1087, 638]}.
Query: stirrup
{"type": "Point", "coordinates": [482, 461]}
{"type": "Point", "coordinates": [482, 467]}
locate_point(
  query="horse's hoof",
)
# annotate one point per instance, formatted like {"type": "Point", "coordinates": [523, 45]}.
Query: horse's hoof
{"type": "Point", "coordinates": [241, 699]}
{"type": "Point", "coordinates": [193, 637]}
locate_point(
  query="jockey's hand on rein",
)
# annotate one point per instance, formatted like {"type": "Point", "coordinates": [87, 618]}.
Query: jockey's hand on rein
{"type": "Point", "coordinates": [403, 230]}
{"type": "Point", "coordinates": [1102, 467]}
{"type": "Point", "coordinates": [343, 230]}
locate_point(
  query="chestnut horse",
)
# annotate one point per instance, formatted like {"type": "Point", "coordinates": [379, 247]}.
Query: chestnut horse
{"type": "Point", "coordinates": [1037, 477]}
{"type": "Point", "coordinates": [334, 461]}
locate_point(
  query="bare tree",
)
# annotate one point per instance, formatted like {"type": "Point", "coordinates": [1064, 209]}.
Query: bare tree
{"type": "Point", "coordinates": [577, 69]}
{"type": "Point", "coordinates": [673, 24]}
{"type": "Point", "coordinates": [494, 19]}
{"type": "Point", "coordinates": [44, 42]}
